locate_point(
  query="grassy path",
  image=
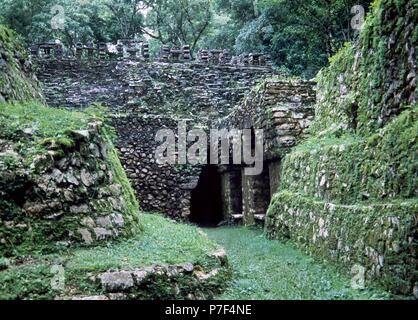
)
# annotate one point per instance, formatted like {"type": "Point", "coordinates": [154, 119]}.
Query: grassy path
{"type": "Point", "coordinates": [266, 269]}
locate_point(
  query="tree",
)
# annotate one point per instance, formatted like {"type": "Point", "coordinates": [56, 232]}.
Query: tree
{"type": "Point", "coordinates": [300, 35]}
{"type": "Point", "coordinates": [127, 17]}
{"type": "Point", "coordinates": [178, 22]}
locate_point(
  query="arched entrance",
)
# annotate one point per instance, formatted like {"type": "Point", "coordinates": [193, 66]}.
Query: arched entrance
{"type": "Point", "coordinates": [206, 199]}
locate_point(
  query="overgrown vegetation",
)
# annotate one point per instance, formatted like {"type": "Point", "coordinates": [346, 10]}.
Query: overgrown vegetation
{"type": "Point", "coordinates": [347, 168]}
{"type": "Point", "coordinates": [16, 82]}
{"type": "Point", "coordinates": [34, 140]}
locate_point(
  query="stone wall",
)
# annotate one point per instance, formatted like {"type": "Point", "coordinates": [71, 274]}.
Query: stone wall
{"type": "Point", "coordinates": [188, 89]}
{"type": "Point", "coordinates": [348, 193]}
{"type": "Point", "coordinates": [70, 192]}
{"type": "Point", "coordinates": [61, 183]}
{"type": "Point", "coordinates": [144, 97]}
{"type": "Point", "coordinates": [16, 81]}
{"type": "Point", "coordinates": [283, 110]}
{"type": "Point", "coordinates": [376, 242]}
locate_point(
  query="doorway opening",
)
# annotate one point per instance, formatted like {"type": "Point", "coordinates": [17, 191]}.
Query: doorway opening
{"type": "Point", "coordinates": [206, 199]}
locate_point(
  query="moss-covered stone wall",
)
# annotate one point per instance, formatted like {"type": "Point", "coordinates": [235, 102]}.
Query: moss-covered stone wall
{"type": "Point", "coordinates": [379, 238]}
{"type": "Point", "coordinates": [372, 80]}
{"type": "Point", "coordinates": [59, 189]}
{"type": "Point", "coordinates": [61, 181]}
{"type": "Point", "coordinates": [352, 168]}
{"type": "Point", "coordinates": [16, 80]}
{"type": "Point", "coordinates": [348, 193]}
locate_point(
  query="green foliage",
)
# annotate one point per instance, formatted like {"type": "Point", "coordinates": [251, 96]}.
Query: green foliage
{"type": "Point", "coordinates": [26, 282]}
{"type": "Point", "coordinates": [179, 22]}
{"type": "Point", "coordinates": [4, 263]}
{"type": "Point", "coordinates": [43, 121]}
{"type": "Point", "coordinates": [299, 35]}
{"type": "Point", "coordinates": [162, 241]}
{"type": "Point", "coordinates": [128, 194]}
{"type": "Point", "coordinates": [264, 270]}
{"type": "Point", "coordinates": [36, 137]}
{"type": "Point", "coordinates": [168, 21]}
{"type": "Point", "coordinates": [367, 82]}
{"type": "Point", "coordinates": [349, 192]}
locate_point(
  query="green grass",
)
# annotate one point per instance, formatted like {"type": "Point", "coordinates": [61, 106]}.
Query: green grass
{"type": "Point", "coordinates": [162, 242]}
{"type": "Point", "coordinates": [264, 269]}
{"type": "Point", "coordinates": [44, 121]}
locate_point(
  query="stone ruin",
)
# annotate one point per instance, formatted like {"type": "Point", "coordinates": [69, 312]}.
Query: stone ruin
{"type": "Point", "coordinates": [145, 97]}
{"type": "Point", "coordinates": [134, 50]}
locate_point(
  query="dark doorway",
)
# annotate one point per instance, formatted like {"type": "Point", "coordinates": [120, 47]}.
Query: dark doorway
{"type": "Point", "coordinates": [206, 204]}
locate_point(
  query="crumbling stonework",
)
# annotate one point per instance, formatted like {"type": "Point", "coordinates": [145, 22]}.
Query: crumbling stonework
{"type": "Point", "coordinates": [147, 96]}
{"type": "Point", "coordinates": [183, 281]}
{"type": "Point", "coordinates": [348, 193]}
{"type": "Point", "coordinates": [69, 194]}
{"type": "Point", "coordinates": [283, 109]}
{"type": "Point", "coordinates": [17, 81]}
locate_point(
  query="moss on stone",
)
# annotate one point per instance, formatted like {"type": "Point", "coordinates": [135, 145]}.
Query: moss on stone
{"type": "Point", "coordinates": [352, 168]}
{"type": "Point", "coordinates": [16, 81]}
{"type": "Point", "coordinates": [61, 181]}
{"type": "Point", "coordinates": [349, 192]}
{"type": "Point", "coordinates": [381, 237]}
{"type": "Point", "coordinates": [371, 81]}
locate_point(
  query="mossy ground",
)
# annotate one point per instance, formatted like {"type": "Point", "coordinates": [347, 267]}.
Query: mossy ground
{"type": "Point", "coordinates": [161, 242]}
{"type": "Point", "coordinates": [264, 269]}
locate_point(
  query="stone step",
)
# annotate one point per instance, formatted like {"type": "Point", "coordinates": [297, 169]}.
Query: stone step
{"type": "Point", "coordinates": [257, 217]}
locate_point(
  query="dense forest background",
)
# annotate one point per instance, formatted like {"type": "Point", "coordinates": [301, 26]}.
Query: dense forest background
{"type": "Point", "coordinates": [300, 35]}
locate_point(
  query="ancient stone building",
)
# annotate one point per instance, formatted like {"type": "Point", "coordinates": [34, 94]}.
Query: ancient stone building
{"type": "Point", "coordinates": [145, 96]}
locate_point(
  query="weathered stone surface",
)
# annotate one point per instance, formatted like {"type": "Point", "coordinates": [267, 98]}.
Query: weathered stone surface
{"type": "Point", "coordinates": [149, 94]}
{"type": "Point", "coordinates": [221, 256]}
{"type": "Point", "coordinates": [103, 234]}
{"type": "Point", "coordinates": [75, 195]}
{"type": "Point", "coordinates": [358, 280]}
{"type": "Point", "coordinates": [121, 281]}
{"type": "Point", "coordinates": [180, 280]}
{"type": "Point", "coordinates": [204, 276]}
{"type": "Point", "coordinates": [85, 235]}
